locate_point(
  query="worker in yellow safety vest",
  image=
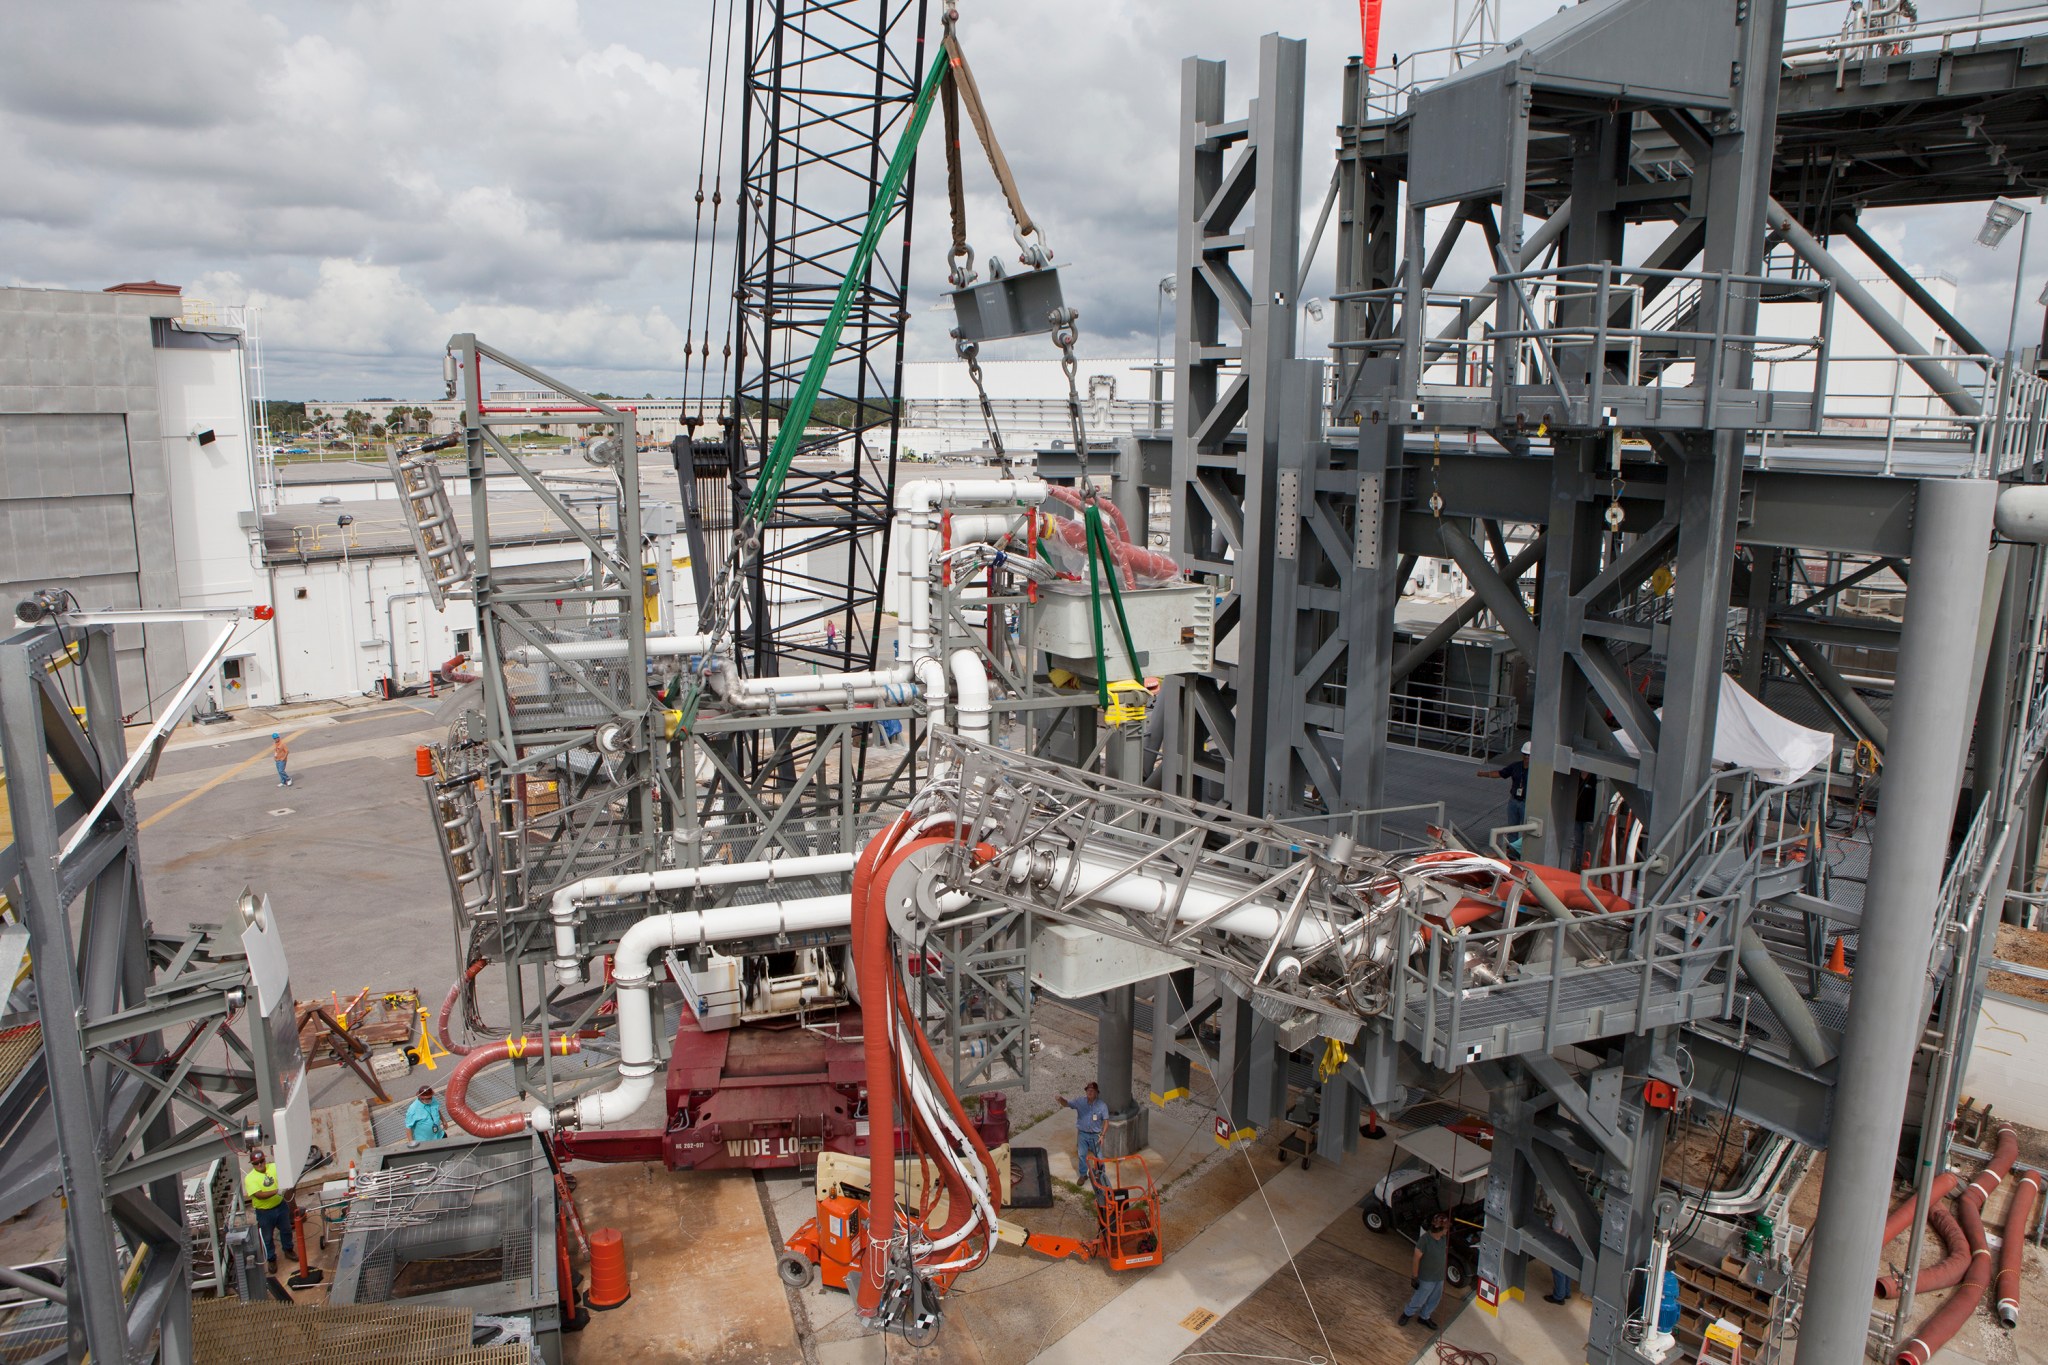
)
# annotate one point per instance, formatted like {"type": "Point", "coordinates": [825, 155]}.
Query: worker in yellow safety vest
{"type": "Point", "coordinates": [273, 1216]}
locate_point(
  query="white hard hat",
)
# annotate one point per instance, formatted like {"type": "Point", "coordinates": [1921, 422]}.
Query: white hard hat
{"type": "Point", "coordinates": [1525, 748]}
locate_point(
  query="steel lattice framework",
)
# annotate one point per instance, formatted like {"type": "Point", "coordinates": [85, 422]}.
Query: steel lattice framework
{"type": "Point", "coordinates": [828, 86]}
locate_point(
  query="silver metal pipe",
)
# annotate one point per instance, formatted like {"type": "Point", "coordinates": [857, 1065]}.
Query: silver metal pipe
{"type": "Point", "coordinates": [30, 1284]}
{"type": "Point", "coordinates": [1783, 997]}
{"type": "Point", "coordinates": [1937, 374]}
{"type": "Point", "coordinates": [1923, 771]}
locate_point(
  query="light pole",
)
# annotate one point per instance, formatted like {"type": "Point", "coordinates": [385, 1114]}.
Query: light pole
{"type": "Point", "coordinates": [1167, 289]}
{"type": "Point", "coordinates": [1998, 221]}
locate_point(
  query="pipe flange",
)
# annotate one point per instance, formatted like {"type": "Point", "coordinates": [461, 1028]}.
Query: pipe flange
{"type": "Point", "coordinates": [912, 897]}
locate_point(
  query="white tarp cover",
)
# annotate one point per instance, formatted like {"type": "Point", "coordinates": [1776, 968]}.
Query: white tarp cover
{"type": "Point", "coordinates": [1748, 734]}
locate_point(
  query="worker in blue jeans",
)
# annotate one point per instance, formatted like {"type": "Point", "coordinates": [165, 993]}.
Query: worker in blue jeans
{"type": "Point", "coordinates": [1091, 1116]}
{"type": "Point", "coordinates": [1432, 1255]}
{"type": "Point", "coordinates": [273, 1214]}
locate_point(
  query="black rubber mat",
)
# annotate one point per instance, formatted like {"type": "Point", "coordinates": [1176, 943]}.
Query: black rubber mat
{"type": "Point", "coordinates": [1030, 1179]}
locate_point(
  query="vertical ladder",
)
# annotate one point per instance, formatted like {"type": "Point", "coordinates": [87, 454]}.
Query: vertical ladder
{"type": "Point", "coordinates": [259, 411]}
{"type": "Point", "coordinates": [430, 517]}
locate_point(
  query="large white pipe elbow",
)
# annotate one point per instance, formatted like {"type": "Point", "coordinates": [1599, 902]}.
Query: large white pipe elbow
{"type": "Point", "coordinates": [562, 907]}
{"type": "Point", "coordinates": [971, 695]}
{"type": "Point", "coordinates": [633, 973]}
{"type": "Point", "coordinates": [2022, 513]}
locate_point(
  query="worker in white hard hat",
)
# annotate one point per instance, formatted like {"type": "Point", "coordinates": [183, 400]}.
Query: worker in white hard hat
{"type": "Point", "coordinates": [1516, 775]}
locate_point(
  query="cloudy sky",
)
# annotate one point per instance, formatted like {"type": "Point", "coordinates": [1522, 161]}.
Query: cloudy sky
{"type": "Point", "coordinates": [379, 174]}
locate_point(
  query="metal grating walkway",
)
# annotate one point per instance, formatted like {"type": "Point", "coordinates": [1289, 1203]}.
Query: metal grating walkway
{"type": "Point", "coordinates": [230, 1332]}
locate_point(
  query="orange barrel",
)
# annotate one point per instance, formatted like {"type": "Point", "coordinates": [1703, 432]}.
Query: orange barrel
{"type": "Point", "coordinates": [423, 761]}
{"type": "Point", "coordinates": [608, 1288]}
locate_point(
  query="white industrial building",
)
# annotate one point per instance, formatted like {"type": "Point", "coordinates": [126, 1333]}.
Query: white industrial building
{"type": "Point", "coordinates": [133, 474]}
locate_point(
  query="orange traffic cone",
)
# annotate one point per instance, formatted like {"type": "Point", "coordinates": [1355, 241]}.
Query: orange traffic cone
{"type": "Point", "coordinates": [608, 1287]}
{"type": "Point", "coordinates": [1838, 960]}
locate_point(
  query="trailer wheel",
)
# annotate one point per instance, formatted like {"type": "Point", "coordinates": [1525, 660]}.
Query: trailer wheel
{"type": "Point", "coordinates": [796, 1271]}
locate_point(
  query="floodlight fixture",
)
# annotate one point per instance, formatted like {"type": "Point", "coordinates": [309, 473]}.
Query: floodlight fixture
{"type": "Point", "coordinates": [2002, 217]}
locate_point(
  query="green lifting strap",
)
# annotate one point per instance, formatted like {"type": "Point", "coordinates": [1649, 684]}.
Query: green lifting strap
{"type": "Point", "coordinates": [768, 487]}
{"type": "Point", "coordinates": [1098, 549]}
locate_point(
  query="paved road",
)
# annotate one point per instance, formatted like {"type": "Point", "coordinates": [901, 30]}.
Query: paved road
{"type": "Point", "coordinates": [346, 853]}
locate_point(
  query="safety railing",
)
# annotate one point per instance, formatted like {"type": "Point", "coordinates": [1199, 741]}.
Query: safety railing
{"type": "Point", "coordinates": [1451, 357]}
{"type": "Point", "coordinates": [1841, 31]}
{"type": "Point", "coordinates": [1389, 87]}
{"type": "Point", "coordinates": [1046, 417]}
{"type": "Point", "coordinates": [1564, 329]}
{"type": "Point", "coordinates": [1452, 720]}
{"type": "Point", "coordinates": [1547, 983]}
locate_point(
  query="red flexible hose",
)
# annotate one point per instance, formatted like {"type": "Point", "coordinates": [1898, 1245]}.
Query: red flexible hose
{"type": "Point", "coordinates": [1901, 1217]}
{"type": "Point", "coordinates": [2012, 1249]}
{"type": "Point", "coordinates": [1073, 499]}
{"type": "Point", "coordinates": [2002, 1155]}
{"type": "Point", "coordinates": [1947, 1320]}
{"type": "Point", "coordinates": [469, 974]}
{"type": "Point", "coordinates": [1943, 1274]}
{"type": "Point", "coordinates": [456, 1096]}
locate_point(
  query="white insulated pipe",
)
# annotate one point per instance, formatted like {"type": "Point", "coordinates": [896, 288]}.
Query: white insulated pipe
{"type": "Point", "coordinates": [658, 647]}
{"type": "Point", "coordinates": [916, 647]}
{"type": "Point", "coordinates": [634, 976]}
{"type": "Point", "coordinates": [971, 695]}
{"type": "Point", "coordinates": [562, 908]}
{"type": "Point", "coordinates": [1106, 882]}
{"type": "Point", "coordinates": [917, 526]}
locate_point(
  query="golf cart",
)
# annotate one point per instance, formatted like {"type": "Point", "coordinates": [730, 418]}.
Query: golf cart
{"type": "Point", "coordinates": [1434, 1170]}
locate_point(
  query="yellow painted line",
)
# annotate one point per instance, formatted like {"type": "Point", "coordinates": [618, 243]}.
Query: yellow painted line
{"type": "Point", "coordinates": [189, 797]}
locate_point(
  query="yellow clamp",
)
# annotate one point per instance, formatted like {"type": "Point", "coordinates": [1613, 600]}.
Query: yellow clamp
{"type": "Point", "coordinates": [1334, 1056]}
{"type": "Point", "coordinates": [1128, 702]}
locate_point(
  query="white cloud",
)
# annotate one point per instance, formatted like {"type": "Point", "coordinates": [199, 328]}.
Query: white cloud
{"type": "Point", "coordinates": [380, 173]}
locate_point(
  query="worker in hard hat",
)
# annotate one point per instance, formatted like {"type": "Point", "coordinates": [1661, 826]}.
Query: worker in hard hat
{"type": "Point", "coordinates": [426, 1118]}
{"type": "Point", "coordinates": [273, 1218]}
{"type": "Point", "coordinates": [1091, 1116]}
{"type": "Point", "coordinates": [279, 752]}
{"type": "Point", "coordinates": [1516, 775]}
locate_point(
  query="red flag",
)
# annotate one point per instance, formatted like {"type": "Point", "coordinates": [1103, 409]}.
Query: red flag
{"type": "Point", "coordinates": [1369, 31]}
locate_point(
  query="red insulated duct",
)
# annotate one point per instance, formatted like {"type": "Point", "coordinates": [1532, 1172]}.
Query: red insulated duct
{"type": "Point", "coordinates": [1943, 1274]}
{"type": "Point", "coordinates": [2003, 1153]}
{"type": "Point", "coordinates": [1901, 1217]}
{"type": "Point", "coordinates": [1947, 1320]}
{"type": "Point", "coordinates": [2012, 1249]}
{"type": "Point", "coordinates": [872, 967]}
{"type": "Point", "coordinates": [1134, 560]}
{"type": "Point", "coordinates": [1567, 886]}
{"type": "Point", "coordinates": [448, 1043]}
{"type": "Point", "coordinates": [883, 1001]}
{"type": "Point", "coordinates": [456, 1096]}
{"type": "Point", "coordinates": [1073, 500]}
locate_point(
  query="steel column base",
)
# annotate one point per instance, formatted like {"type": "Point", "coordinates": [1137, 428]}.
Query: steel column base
{"type": "Point", "coordinates": [1127, 1134]}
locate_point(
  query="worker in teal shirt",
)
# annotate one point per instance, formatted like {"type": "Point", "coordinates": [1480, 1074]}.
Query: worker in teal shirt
{"type": "Point", "coordinates": [425, 1118]}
